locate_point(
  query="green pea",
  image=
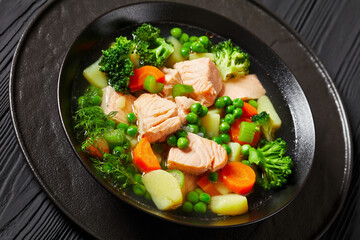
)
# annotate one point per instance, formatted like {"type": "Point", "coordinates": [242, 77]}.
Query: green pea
{"type": "Point", "coordinates": [204, 40]}
{"type": "Point", "coordinates": [199, 191]}
{"type": "Point", "coordinates": [202, 129]}
{"type": "Point", "coordinates": [220, 103]}
{"type": "Point", "coordinates": [192, 197]}
{"type": "Point", "coordinates": [184, 38]}
{"type": "Point", "coordinates": [222, 120]}
{"type": "Point", "coordinates": [139, 189]}
{"type": "Point", "coordinates": [225, 137]}
{"type": "Point", "coordinates": [238, 103]}
{"type": "Point", "coordinates": [184, 51]}
{"type": "Point", "coordinates": [192, 118]}
{"type": "Point", "coordinates": [176, 32]}
{"type": "Point", "coordinates": [193, 128]}
{"type": "Point", "coordinates": [204, 111]}
{"type": "Point", "coordinates": [196, 108]}
{"type": "Point", "coordinates": [253, 103]}
{"type": "Point", "coordinates": [229, 118]}
{"type": "Point", "coordinates": [227, 148]}
{"type": "Point", "coordinates": [123, 126]}
{"type": "Point", "coordinates": [193, 39]}
{"type": "Point", "coordinates": [181, 133]}
{"type": "Point", "coordinates": [229, 109]}
{"type": "Point", "coordinates": [138, 178]}
{"type": "Point", "coordinates": [147, 196]}
{"type": "Point", "coordinates": [110, 124]}
{"type": "Point", "coordinates": [197, 47]}
{"type": "Point", "coordinates": [224, 127]}
{"type": "Point", "coordinates": [200, 207]}
{"type": "Point", "coordinates": [187, 207]}
{"type": "Point", "coordinates": [238, 113]}
{"type": "Point", "coordinates": [245, 149]}
{"type": "Point", "coordinates": [126, 157]}
{"type": "Point", "coordinates": [182, 142]}
{"type": "Point", "coordinates": [213, 176]}
{"type": "Point", "coordinates": [95, 100]}
{"type": "Point", "coordinates": [218, 140]}
{"type": "Point", "coordinates": [171, 140]}
{"type": "Point", "coordinates": [187, 45]}
{"type": "Point", "coordinates": [117, 151]}
{"type": "Point", "coordinates": [227, 100]}
{"type": "Point", "coordinates": [132, 131]}
{"type": "Point", "coordinates": [198, 122]}
{"type": "Point", "coordinates": [205, 198]}
{"type": "Point", "coordinates": [131, 117]}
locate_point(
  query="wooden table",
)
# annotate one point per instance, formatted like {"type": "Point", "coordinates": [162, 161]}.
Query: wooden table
{"type": "Point", "coordinates": [330, 27]}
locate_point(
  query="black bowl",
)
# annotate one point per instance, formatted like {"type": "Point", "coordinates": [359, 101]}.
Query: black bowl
{"type": "Point", "coordinates": [282, 88]}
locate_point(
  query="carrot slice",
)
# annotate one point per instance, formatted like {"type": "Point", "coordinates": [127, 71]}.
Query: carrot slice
{"type": "Point", "coordinates": [144, 157]}
{"type": "Point", "coordinates": [248, 110]}
{"type": "Point", "coordinates": [137, 81]}
{"type": "Point", "coordinates": [235, 131]}
{"type": "Point", "coordinates": [207, 186]}
{"type": "Point", "coordinates": [238, 177]}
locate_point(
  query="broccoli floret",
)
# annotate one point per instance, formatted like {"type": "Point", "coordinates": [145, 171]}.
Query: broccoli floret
{"type": "Point", "coordinates": [275, 167]}
{"type": "Point", "coordinates": [116, 63]}
{"type": "Point", "coordinates": [230, 60]}
{"type": "Point", "coordinates": [264, 122]}
{"type": "Point", "coordinates": [151, 48]}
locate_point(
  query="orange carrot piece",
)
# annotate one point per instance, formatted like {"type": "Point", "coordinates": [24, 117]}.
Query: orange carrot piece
{"type": "Point", "coordinates": [137, 81]}
{"type": "Point", "coordinates": [207, 186]}
{"type": "Point", "coordinates": [248, 110]}
{"type": "Point", "coordinates": [144, 157]}
{"type": "Point", "coordinates": [238, 177]}
{"type": "Point", "coordinates": [98, 148]}
{"type": "Point", "coordinates": [235, 131]}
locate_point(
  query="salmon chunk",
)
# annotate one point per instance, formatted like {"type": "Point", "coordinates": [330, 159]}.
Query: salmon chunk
{"type": "Point", "coordinates": [203, 76]}
{"type": "Point", "coordinates": [172, 77]}
{"type": "Point", "coordinates": [200, 156]}
{"type": "Point", "coordinates": [157, 117]}
{"type": "Point", "coordinates": [246, 87]}
{"type": "Point", "coordinates": [183, 105]}
{"type": "Point", "coordinates": [115, 101]}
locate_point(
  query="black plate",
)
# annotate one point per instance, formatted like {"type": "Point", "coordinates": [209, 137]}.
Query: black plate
{"type": "Point", "coordinates": [33, 87]}
{"type": "Point", "coordinates": [285, 93]}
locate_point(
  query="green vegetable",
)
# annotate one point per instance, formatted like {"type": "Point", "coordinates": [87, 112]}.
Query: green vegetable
{"type": "Point", "coordinates": [247, 132]}
{"type": "Point", "coordinates": [225, 137]}
{"type": "Point", "coordinates": [122, 126]}
{"type": "Point", "coordinates": [237, 113]}
{"type": "Point", "coordinates": [264, 122]}
{"type": "Point", "coordinates": [274, 166]}
{"type": "Point", "coordinates": [202, 130]}
{"type": "Point", "coordinates": [227, 100]}
{"type": "Point", "coordinates": [229, 109]}
{"type": "Point", "coordinates": [178, 175]}
{"type": "Point", "coordinates": [181, 90]}
{"type": "Point", "coordinates": [253, 103]}
{"type": "Point", "coordinates": [147, 196]}
{"type": "Point", "coordinates": [181, 133]}
{"type": "Point", "coordinates": [197, 47]}
{"type": "Point", "coordinates": [193, 39]}
{"type": "Point", "coordinates": [192, 118]}
{"type": "Point", "coordinates": [182, 142]}
{"type": "Point", "coordinates": [227, 148]}
{"type": "Point", "coordinates": [184, 38]}
{"type": "Point", "coordinates": [117, 65]}
{"type": "Point", "coordinates": [115, 137]}
{"type": "Point", "coordinates": [235, 151]}
{"type": "Point", "coordinates": [198, 191]}
{"type": "Point", "coordinates": [187, 207]}
{"type": "Point", "coordinates": [218, 140]}
{"type": "Point", "coordinates": [204, 111]}
{"type": "Point", "coordinates": [200, 207]}
{"type": "Point", "coordinates": [204, 40]}
{"type": "Point", "coordinates": [213, 176]}
{"type": "Point", "coordinates": [185, 51]}
{"type": "Point", "coordinates": [137, 178]}
{"type": "Point", "coordinates": [110, 124]}
{"type": "Point", "coordinates": [91, 97]}
{"type": "Point", "coordinates": [192, 197]}
{"type": "Point", "coordinates": [220, 103]}
{"type": "Point", "coordinates": [152, 86]}
{"type": "Point", "coordinates": [238, 103]}
{"type": "Point", "coordinates": [132, 131]}
{"type": "Point", "coordinates": [192, 128]}
{"type": "Point", "coordinates": [117, 151]}
{"type": "Point", "coordinates": [196, 108]}
{"type": "Point", "coordinates": [176, 32]}
{"type": "Point", "coordinates": [131, 117]}
{"type": "Point", "coordinates": [245, 149]}
{"type": "Point", "coordinates": [171, 140]}
{"type": "Point", "coordinates": [205, 198]}
{"type": "Point", "coordinates": [230, 60]}
{"type": "Point", "coordinates": [187, 45]}
{"type": "Point", "coordinates": [229, 118]}
{"type": "Point", "coordinates": [139, 189]}
{"type": "Point", "coordinates": [224, 127]}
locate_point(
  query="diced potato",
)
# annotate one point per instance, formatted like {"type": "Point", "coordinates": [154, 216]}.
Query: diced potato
{"type": "Point", "coordinates": [264, 104]}
{"type": "Point", "coordinates": [235, 154]}
{"type": "Point", "coordinates": [211, 122]}
{"type": "Point", "coordinates": [175, 56]}
{"type": "Point", "coordinates": [222, 188]}
{"type": "Point", "coordinates": [164, 189]}
{"type": "Point", "coordinates": [219, 111]}
{"type": "Point", "coordinates": [229, 204]}
{"type": "Point", "coordinates": [94, 76]}
{"type": "Point", "coordinates": [193, 56]}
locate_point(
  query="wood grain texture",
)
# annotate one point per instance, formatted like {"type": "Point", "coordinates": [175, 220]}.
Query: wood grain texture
{"type": "Point", "coordinates": [330, 27]}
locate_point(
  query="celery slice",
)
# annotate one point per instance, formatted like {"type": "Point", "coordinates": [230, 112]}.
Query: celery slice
{"type": "Point", "coordinates": [247, 132]}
